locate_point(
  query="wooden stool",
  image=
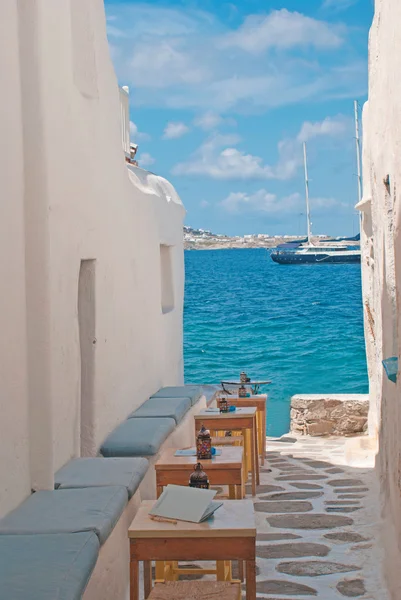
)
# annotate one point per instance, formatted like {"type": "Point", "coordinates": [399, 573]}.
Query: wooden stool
{"type": "Point", "coordinates": [196, 590]}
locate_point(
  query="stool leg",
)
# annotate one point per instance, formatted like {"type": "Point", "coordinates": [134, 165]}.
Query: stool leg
{"type": "Point", "coordinates": [160, 569]}
{"type": "Point", "coordinates": [241, 570]}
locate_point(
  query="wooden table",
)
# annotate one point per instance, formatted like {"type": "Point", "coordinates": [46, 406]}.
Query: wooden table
{"type": "Point", "coordinates": [243, 419]}
{"type": "Point", "coordinates": [225, 469]}
{"type": "Point", "coordinates": [260, 402]}
{"type": "Point", "coordinates": [229, 535]}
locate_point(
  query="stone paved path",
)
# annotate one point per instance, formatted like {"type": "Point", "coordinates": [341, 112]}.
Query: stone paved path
{"type": "Point", "coordinates": [317, 521]}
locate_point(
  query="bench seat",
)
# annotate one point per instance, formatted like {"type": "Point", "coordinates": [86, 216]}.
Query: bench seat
{"type": "Point", "coordinates": [174, 408]}
{"type": "Point", "coordinates": [46, 567]}
{"type": "Point", "coordinates": [138, 437]}
{"type": "Point", "coordinates": [98, 472]}
{"type": "Point", "coordinates": [95, 509]}
{"type": "Point", "coordinates": [193, 392]}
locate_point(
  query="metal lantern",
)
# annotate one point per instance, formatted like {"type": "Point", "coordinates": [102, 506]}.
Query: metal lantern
{"type": "Point", "coordinates": [198, 478]}
{"type": "Point", "coordinates": [243, 377]}
{"type": "Point", "coordinates": [223, 405]}
{"type": "Point", "coordinates": [204, 444]}
{"type": "Point", "coordinates": [242, 392]}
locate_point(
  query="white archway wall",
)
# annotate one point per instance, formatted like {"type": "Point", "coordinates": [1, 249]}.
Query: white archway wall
{"type": "Point", "coordinates": [81, 203]}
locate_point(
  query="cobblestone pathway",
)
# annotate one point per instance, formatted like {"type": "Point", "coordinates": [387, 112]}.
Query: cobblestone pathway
{"type": "Point", "coordinates": [317, 521]}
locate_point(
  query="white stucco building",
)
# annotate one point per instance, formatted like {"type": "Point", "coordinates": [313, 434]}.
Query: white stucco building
{"type": "Point", "coordinates": [381, 266]}
{"type": "Point", "coordinates": [91, 255]}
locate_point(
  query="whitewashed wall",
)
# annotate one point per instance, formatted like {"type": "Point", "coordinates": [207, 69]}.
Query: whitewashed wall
{"type": "Point", "coordinates": [67, 196]}
{"type": "Point", "coordinates": [381, 264]}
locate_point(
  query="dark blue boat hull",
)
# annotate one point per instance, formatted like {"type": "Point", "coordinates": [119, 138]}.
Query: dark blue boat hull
{"type": "Point", "coordinates": [291, 258]}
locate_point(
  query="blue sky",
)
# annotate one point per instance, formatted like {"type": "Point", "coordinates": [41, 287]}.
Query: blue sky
{"type": "Point", "coordinates": [224, 93]}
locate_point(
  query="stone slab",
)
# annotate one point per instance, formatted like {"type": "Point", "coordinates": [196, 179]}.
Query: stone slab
{"type": "Point", "coordinates": [314, 568]}
{"type": "Point", "coordinates": [283, 507]}
{"type": "Point", "coordinates": [314, 521]}
{"type": "Point", "coordinates": [293, 550]}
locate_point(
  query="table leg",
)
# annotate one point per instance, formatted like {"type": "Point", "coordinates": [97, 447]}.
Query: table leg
{"type": "Point", "coordinates": [232, 492]}
{"type": "Point", "coordinates": [256, 445]}
{"type": "Point", "coordinates": [250, 579]}
{"type": "Point", "coordinates": [241, 570]}
{"type": "Point", "coordinates": [159, 490]}
{"type": "Point", "coordinates": [247, 452]}
{"type": "Point", "coordinates": [260, 436]}
{"type": "Point", "coordinates": [254, 459]}
{"type": "Point", "coordinates": [147, 577]}
{"type": "Point", "coordinates": [264, 432]}
{"type": "Point", "coordinates": [134, 580]}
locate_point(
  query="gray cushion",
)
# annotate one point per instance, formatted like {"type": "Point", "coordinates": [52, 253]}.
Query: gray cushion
{"type": "Point", "coordinates": [194, 392]}
{"type": "Point", "coordinates": [175, 408]}
{"type": "Point", "coordinates": [46, 567]}
{"type": "Point", "coordinates": [138, 437]}
{"type": "Point", "coordinates": [94, 509]}
{"type": "Point", "coordinates": [96, 472]}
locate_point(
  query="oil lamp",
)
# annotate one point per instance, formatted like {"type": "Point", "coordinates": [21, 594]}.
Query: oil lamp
{"type": "Point", "coordinates": [198, 478]}
{"type": "Point", "coordinates": [204, 444]}
{"type": "Point", "coordinates": [223, 405]}
{"type": "Point", "coordinates": [242, 391]}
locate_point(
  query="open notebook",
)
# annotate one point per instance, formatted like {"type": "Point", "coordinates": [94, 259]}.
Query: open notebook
{"type": "Point", "coordinates": [185, 504]}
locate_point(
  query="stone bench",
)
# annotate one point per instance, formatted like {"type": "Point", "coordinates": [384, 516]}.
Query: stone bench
{"type": "Point", "coordinates": [95, 509]}
{"type": "Point", "coordinates": [98, 472]}
{"type": "Point", "coordinates": [173, 408]}
{"type": "Point", "coordinates": [149, 435]}
{"type": "Point", "coordinates": [46, 567]}
{"type": "Point", "coordinates": [83, 523]}
{"type": "Point", "coordinates": [193, 392]}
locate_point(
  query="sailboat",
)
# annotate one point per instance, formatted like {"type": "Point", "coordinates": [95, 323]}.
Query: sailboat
{"type": "Point", "coordinates": [332, 251]}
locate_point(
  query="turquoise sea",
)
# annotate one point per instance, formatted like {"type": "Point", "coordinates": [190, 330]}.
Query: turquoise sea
{"type": "Point", "coordinates": [298, 326]}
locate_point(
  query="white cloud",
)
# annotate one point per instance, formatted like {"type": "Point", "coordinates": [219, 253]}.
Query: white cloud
{"type": "Point", "coordinates": [145, 160]}
{"type": "Point", "coordinates": [175, 130]}
{"type": "Point", "coordinates": [284, 30]}
{"type": "Point", "coordinates": [218, 158]}
{"type": "Point", "coordinates": [204, 204]}
{"type": "Point", "coordinates": [259, 202]}
{"type": "Point", "coordinates": [338, 5]}
{"type": "Point", "coordinates": [162, 64]}
{"type": "Point", "coordinates": [331, 126]}
{"type": "Point", "coordinates": [226, 164]}
{"type": "Point", "coordinates": [211, 120]}
{"type": "Point", "coordinates": [189, 59]}
{"type": "Point", "coordinates": [265, 203]}
{"type": "Point", "coordinates": [137, 136]}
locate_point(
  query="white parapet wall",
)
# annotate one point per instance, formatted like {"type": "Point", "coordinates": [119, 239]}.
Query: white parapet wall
{"type": "Point", "coordinates": [325, 414]}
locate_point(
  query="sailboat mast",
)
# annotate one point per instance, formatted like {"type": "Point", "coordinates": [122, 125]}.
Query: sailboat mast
{"type": "Point", "coordinates": [358, 151]}
{"type": "Point", "coordinates": [307, 195]}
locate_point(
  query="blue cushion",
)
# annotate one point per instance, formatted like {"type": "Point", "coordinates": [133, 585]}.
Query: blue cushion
{"type": "Point", "coordinates": [194, 392]}
{"type": "Point", "coordinates": [138, 437]}
{"type": "Point", "coordinates": [96, 472]}
{"type": "Point", "coordinates": [94, 509]}
{"type": "Point", "coordinates": [175, 408]}
{"type": "Point", "coordinates": [46, 567]}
